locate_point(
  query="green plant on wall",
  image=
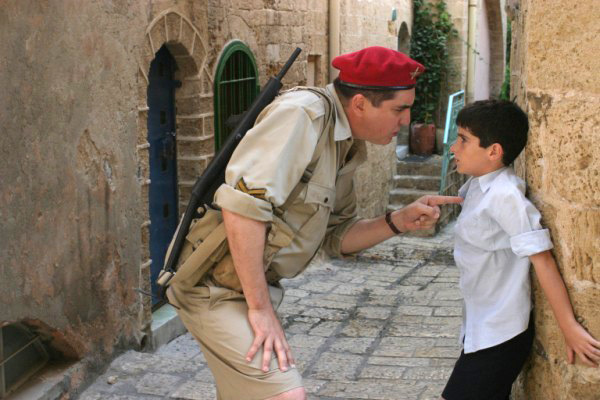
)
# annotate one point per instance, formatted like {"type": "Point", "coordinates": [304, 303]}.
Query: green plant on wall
{"type": "Point", "coordinates": [432, 28]}
{"type": "Point", "coordinates": [505, 90]}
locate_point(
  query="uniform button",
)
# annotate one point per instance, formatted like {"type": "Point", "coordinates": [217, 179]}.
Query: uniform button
{"type": "Point", "coordinates": [326, 199]}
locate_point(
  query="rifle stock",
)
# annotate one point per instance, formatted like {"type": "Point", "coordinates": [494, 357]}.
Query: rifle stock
{"type": "Point", "coordinates": [210, 180]}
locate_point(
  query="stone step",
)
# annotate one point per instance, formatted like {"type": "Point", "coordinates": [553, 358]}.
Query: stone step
{"type": "Point", "coordinates": [421, 182]}
{"type": "Point", "coordinates": [416, 165]}
{"type": "Point", "coordinates": [407, 196]}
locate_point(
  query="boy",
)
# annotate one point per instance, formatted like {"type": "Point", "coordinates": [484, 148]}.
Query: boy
{"type": "Point", "coordinates": [497, 233]}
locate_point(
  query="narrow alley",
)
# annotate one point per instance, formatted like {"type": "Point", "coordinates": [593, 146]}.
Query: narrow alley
{"type": "Point", "coordinates": [382, 326]}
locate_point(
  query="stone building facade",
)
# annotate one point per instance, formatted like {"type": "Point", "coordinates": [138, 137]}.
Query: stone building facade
{"type": "Point", "coordinates": [555, 79]}
{"type": "Point", "coordinates": [75, 153]}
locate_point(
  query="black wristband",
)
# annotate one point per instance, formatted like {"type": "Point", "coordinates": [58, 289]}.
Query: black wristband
{"type": "Point", "coordinates": [388, 219]}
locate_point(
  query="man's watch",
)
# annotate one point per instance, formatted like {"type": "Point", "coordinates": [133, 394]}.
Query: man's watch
{"type": "Point", "coordinates": [388, 220]}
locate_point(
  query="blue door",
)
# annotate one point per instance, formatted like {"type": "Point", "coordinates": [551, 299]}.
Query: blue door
{"type": "Point", "coordinates": [163, 167]}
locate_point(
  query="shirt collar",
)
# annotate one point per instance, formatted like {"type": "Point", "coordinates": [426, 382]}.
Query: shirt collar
{"type": "Point", "coordinates": [341, 130]}
{"type": "Point", "coordinates": [485, 181]}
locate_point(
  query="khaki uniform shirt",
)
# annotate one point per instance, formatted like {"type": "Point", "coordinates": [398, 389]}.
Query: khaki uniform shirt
{"type": "Point", "coordinates": [268, 164]}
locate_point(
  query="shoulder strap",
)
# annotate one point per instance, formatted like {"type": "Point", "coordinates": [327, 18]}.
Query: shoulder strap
{"type": "Point", "coordinates": [323, 136]}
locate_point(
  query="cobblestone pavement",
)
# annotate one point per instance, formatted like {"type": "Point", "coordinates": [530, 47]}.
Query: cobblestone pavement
{"type": "Point", "coordinates": [382, 326]}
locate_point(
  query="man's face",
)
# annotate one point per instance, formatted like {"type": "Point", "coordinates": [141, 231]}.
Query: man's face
{"type": "Point", "coordinates": [471, 158]}
{"type": "Point", "coordinates": [379, 125]}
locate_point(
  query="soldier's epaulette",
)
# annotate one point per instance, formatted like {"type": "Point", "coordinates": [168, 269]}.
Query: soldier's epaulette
{"type": "Point", "coordinates": [258, 193]}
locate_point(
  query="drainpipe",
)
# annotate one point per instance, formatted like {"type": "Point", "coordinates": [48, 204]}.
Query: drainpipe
{"type": "Point", "coordinates": [471, 41]}
{"type": "Point", "coordinates": [334, 35]}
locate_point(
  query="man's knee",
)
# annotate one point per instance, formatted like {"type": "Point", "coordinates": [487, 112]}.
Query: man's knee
{"type": "Point", "coordinates": [294, 394]}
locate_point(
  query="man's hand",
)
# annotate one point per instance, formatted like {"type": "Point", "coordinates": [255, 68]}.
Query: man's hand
{"type": "Point", "coordinates": [269, 334]}
{"type": "Point", "coordinates": [422, 213]}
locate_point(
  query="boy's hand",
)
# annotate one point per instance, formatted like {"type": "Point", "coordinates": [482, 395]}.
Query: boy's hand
{"type": "Point", "coordinates": [579, 341]}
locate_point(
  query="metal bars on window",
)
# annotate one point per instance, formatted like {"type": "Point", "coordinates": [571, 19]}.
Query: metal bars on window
{"type": "Point", "coordinates": [236, 86]}
{"type": "Point", "coordinates": [22, 354]}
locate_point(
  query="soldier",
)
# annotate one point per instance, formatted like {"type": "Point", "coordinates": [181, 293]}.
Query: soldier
{"type": "Point", "coordinates": [289, 191]}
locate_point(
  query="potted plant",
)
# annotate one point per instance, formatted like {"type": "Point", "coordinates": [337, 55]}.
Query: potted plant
{"type": "Point", "coordinates": [432, 28]}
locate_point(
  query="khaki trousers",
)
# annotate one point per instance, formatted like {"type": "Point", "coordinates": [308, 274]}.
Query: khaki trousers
{"type": "Point", "coordinates": [218, 319]}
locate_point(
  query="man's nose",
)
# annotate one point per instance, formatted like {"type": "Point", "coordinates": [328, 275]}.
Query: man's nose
{"type": "Point", "coordinates": [405, 119]}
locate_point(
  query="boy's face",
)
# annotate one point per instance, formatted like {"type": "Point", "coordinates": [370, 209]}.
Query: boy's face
{"type": "Point", "coordinates": [471, 158]}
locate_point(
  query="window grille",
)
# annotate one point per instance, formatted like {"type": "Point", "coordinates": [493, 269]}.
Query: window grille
{"type": "Point", "coordinates": [22, 354]}
{"type": "Point", "coordinates": [236, 86]}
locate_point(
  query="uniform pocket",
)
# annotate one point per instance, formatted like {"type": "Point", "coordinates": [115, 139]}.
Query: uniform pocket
{"type": "Point", "coordinates": [319, 194]}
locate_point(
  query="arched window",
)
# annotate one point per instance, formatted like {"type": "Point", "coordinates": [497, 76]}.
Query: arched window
{"type": "Point", "coordinates": [236, 86]}
{"type": "Point", "coordinates": [22, 354]}
{"type": "Point", "coordinates": [404, 39]}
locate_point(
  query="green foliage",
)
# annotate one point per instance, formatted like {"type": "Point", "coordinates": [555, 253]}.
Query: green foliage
{"type": "Point", "coordinates": [505, 90]}
{"type": "Point", "coordinates": [432, 28]}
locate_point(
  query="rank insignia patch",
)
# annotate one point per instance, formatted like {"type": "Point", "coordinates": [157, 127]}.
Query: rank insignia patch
{"type": "Point", "coordinates": [258, 193]}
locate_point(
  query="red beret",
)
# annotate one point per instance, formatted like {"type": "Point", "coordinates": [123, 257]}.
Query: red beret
{"type": "Point", "coordinates": [378, 68]}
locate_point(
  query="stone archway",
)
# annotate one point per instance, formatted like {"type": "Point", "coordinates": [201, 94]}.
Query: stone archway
{"type": "Point", "coordinates": [194, 118]}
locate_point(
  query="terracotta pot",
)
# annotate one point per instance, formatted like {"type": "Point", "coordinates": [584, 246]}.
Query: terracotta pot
{"type": "Point", "coordinates": [422, 139]}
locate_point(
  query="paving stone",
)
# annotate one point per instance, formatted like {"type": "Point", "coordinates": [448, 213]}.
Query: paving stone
{"type": "Point", "coordinates": [382, 372]}
{"type": "Point", "coordinates": [399, 361]}
{"type": "Point", "coordinates": [374, 312]}
{"type": "Point", "coordinates": [313, 385]}
{"type": "Point", "coordinates": [362, 328]}
{"type": "Point", "coordinates": [308, 341]}
{"type": "Point", "coordinates": [320, 302]}
{"type": "Point", "coordinates": [319, 286]}
{"type": "Point", "coordinates": [348, 289]}
{"type": "Point", "coordinates": [424, 331]}
{"type": "Point", "coordinates": [414, 310]}
{"type": "Point", "coordinates": [296, 293]}
{"type": "Point", "coordinates": [371, 390]}
{"type": "Point", "coordinates": [157, 384]}
{"type": "Point", "coordinates": [428, 373]}
{"type": "Point", "coordinates": [325, 328]}
{"type": "Point", "coordinates": [436, 352]}
{"type": "Point", "coordinates": [448, 311]}
{"type": "Point", "coordinates": [195, 390]}
{"type": "Point", "coordinates": [351, 345]}
{"type": "Point", "coordinates": [303, 357]}
{"type": "Point", "coordinates": [325, 313]}
{"type": "Point", "coordinates": [184, 347]}
{"type": "Point", "coordinates": [335, 366]}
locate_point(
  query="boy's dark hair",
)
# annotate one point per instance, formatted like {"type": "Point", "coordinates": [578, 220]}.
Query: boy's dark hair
{"type": "Point", "coordinates": [496, 121]}
{"type": "Point", "coordinates": [375, 96]}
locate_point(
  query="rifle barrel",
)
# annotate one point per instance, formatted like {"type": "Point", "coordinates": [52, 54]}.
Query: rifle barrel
{"type": "Point", "coordinates": [208, 182]}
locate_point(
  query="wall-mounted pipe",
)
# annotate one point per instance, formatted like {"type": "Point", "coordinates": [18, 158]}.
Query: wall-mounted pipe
{"type": "Point", "coordinates": [334, 35]}
{"type": "Point", "coordinates": [471, 43]}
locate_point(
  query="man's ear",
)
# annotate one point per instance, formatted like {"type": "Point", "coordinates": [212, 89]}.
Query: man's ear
{"type": "Point", "coordinates": [357, 103]}
{"type": "Point", "coordinates": [496, 152]}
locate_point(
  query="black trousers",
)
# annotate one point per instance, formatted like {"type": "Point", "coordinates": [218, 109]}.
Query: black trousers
{"type": "Point", "coordinates": [488, 374]}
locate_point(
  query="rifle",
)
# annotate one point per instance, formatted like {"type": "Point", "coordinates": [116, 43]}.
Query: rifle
{"type": "Point", "coordinates": [214, 175]}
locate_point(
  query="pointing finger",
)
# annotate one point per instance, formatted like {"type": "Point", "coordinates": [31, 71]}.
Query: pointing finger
{"type": "Point", "coordinates": [439, 200]}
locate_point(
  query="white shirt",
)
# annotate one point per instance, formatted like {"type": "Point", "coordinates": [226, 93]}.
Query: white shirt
{"type": "Point", "coordinates": [496, 231]}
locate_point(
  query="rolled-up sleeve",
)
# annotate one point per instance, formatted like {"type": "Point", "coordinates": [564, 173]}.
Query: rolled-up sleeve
{"type": "Point", "coordinates": [269, 161]}
{"type": "Point", "coordinates": [519, 218]}
{"type": "Point", "coordinates": [530, 243]}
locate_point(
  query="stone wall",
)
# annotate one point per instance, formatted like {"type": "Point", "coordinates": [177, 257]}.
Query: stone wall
{"type": "Point", "coordinates": [69, 194]}
{"type": "Point", "coordinates": [369, 23]}
{"type": "Point", "coordinates": [555, 78]}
